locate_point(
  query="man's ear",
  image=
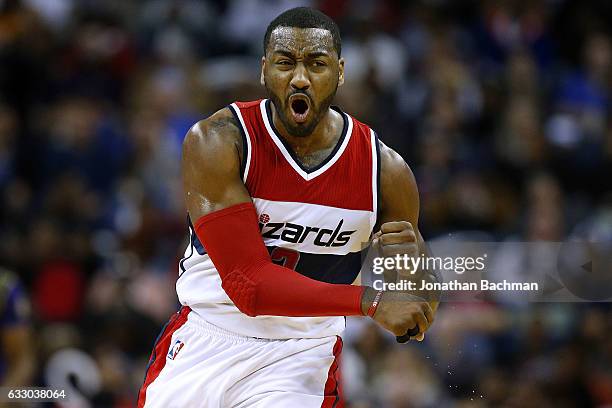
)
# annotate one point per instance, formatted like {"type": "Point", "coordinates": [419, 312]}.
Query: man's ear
{"type": "Point", "coordinates": [263, 66]}
{"type": "Point", "coordinates": [340, 71]}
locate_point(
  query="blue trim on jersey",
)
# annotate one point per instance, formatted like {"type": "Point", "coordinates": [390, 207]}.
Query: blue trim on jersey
{"type": "Point", "coordinates": [181, 263]}
{"type": "Point", "coordinates": [290, 149]}
{"type": "Point", "coordinates": [244, 143]}
{"type": "Point", "coordinates": [194, 243]}
{"type": "Point", "coordinates": [378, 171]}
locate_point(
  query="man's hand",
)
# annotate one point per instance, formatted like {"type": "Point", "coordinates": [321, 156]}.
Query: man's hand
{"type": "Point", "coordinates": [397, 237]}
{"type": "Point", "coordinates": [400, 238]}
{"type": "Point", "coordinates": [400, 312]}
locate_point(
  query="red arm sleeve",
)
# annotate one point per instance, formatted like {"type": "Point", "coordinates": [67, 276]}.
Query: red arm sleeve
{"type": "Point", "coordinates": [255, 284]}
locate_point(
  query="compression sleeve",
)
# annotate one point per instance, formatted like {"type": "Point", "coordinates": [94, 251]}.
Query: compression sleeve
{"type": "Point", "coordinates": [254, 283]}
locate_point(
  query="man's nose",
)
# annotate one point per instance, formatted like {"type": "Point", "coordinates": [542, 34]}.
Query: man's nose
{"type": "Point", "coordinates": [300, 79]}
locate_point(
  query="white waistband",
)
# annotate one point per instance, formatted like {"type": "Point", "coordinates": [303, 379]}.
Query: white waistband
{"type": "Point", "coordinates": [200, 324]}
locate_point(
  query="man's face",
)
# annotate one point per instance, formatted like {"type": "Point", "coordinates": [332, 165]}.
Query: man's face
{"type": "Point", "coordinates": [301, 72]}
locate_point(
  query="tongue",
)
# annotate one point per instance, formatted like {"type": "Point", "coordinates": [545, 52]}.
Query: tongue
{"type": "Point", "coordinates": [299, 110]}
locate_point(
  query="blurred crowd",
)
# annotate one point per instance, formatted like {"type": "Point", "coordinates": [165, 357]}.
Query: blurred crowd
{"type": "Point", "coordinates": [501, 108]}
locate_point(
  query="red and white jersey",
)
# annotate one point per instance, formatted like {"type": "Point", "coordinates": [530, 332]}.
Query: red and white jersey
{"type": "Point", "coordinates": [316, 221]}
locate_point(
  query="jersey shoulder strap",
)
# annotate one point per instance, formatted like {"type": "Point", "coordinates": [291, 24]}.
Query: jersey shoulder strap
{"type": "Point", "coordinates": [248, 118]}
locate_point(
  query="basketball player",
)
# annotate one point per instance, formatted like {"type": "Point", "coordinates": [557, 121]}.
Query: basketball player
{"type": "Point", "coordinates": [281, 194]}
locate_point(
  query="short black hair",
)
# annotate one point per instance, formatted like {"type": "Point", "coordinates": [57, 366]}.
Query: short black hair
{"type": "Point", "coordinates": [304, 17]}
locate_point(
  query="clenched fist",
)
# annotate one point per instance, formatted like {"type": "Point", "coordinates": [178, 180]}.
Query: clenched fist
{"type": "Point", "coordinates": [397, 238]}
{"type": "Point", "coordinates": [400, 312]}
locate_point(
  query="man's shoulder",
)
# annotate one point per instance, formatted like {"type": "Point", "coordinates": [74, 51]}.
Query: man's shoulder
{"type": "Point", "coordinates": [394, 169]}
{"type": "Point", "coordinates": [221, 120]}
{"type": "Point", "coordinates": [390, 158]}
{"type": "Point", "coordinates": [224, 123]}
{"type": "Point", "coordinates": [218, 136]}
{"type": "Point", "coordinates": [219, 128]}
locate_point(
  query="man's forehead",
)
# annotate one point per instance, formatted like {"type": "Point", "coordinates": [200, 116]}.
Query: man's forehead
{"type": "Point", "coordinates": [301, 40]}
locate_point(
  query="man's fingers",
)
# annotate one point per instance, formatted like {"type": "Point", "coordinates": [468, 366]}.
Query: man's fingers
{"type": "Point", "coordinates": [401, 237]}
{"type": "Point", "coordinates": [395, 226]}
{"type": "Point", "coordinates": [422, 322]}
{"type": "Point", "coordinates": [408, 334]}
{"type": "Point", "coordinates": [390, 250]}
{"type": "Point", "coordinates": [428, 312]}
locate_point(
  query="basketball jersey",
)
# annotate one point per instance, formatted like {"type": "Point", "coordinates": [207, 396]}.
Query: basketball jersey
{"type": "Point", "coordinates": [315, 221]}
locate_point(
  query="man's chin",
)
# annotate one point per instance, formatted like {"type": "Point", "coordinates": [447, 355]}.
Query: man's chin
{"type": "Point", "coordinates": [300, 129]}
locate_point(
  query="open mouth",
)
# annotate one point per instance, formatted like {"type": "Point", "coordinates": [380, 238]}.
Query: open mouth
{"type": "Point", "coordinates": [299, 107]}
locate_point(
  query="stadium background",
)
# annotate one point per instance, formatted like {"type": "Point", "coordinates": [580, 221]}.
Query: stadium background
{"type": "Point", "coordinates": [501, 108]}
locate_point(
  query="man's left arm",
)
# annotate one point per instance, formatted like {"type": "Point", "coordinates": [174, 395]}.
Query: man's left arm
{"type": "Point", "coordinates": [397, 227]}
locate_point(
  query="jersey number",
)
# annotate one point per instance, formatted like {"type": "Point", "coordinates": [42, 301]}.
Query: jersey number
{"type": "Point", "coordinates": [285, 257]}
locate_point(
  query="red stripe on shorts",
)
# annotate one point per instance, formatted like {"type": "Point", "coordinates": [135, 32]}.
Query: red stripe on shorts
{"type": "Point", "coordinates": [157, 361]}
{"type": "Point", "coordinates": [332, 397]}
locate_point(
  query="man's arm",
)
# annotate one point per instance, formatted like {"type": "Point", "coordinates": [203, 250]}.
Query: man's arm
{"type": "Point", "coordinates": [400, 205]}
{"type": "Point", "coordinates": [399, 234]}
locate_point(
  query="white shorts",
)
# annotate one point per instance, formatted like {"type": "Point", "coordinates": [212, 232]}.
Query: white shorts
{"type": "Point", "coordinates": [197, 364]}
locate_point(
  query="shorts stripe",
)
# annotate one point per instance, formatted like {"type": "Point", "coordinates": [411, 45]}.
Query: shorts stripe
{"type": "Point", "coordinates": [160, 348]}
{"type": "Point", "coordinates": [332, 397]}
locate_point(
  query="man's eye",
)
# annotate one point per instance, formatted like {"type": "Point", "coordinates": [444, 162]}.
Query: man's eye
{"type": "Point", "coordinates": [284, 62]}
{"type": "Point", "coordinates": [319, 63]}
